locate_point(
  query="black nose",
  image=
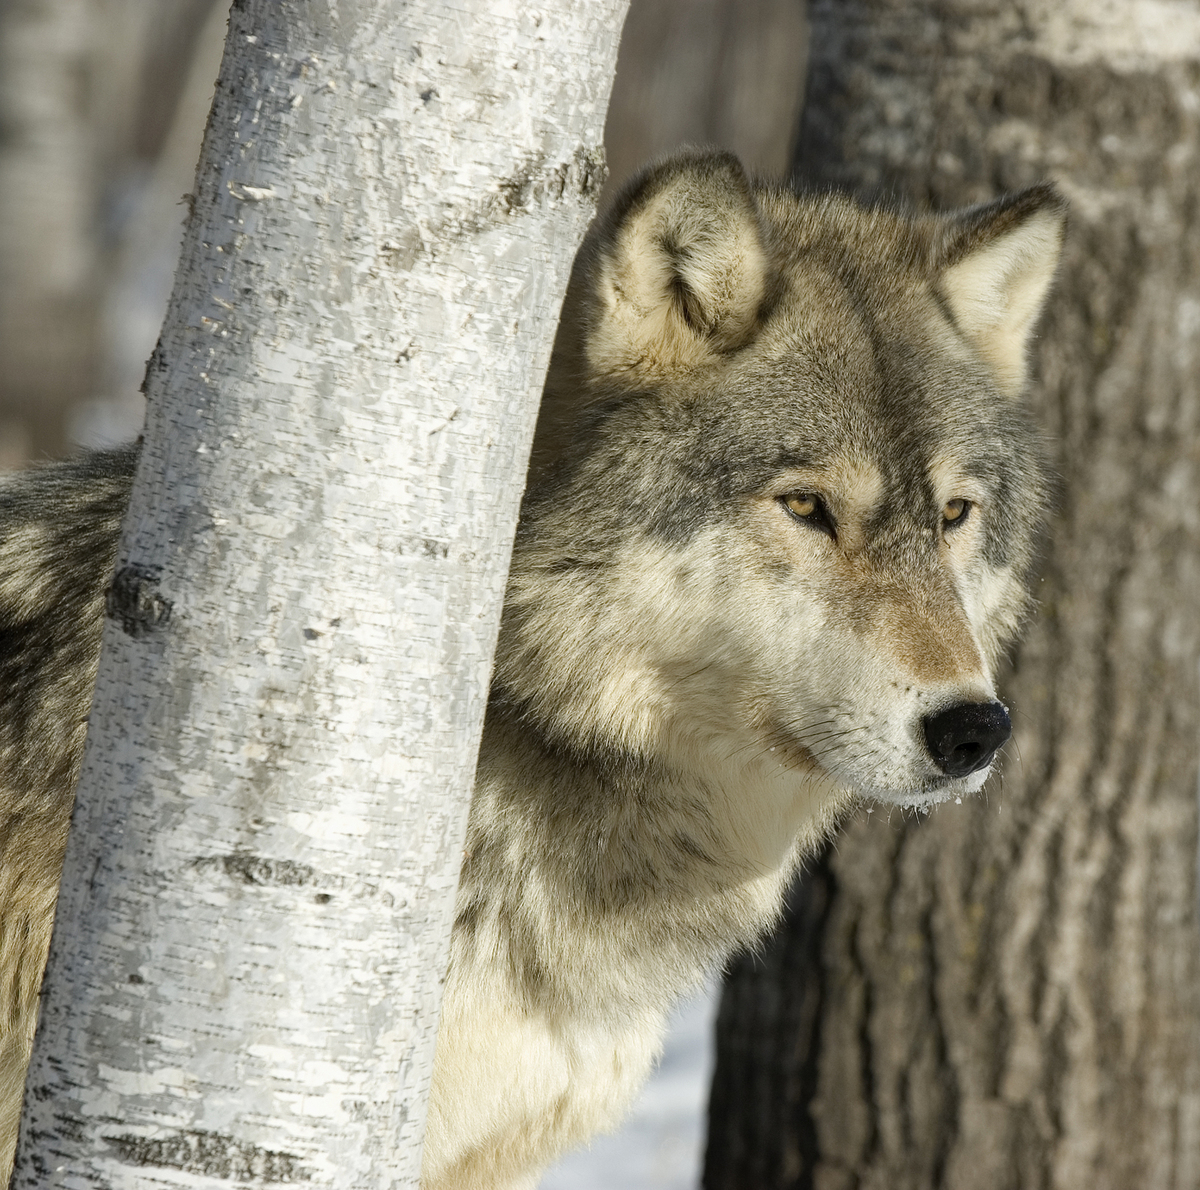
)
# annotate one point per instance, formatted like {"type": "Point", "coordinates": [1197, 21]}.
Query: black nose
{"type": "Point", "coordinates": [965, 737]}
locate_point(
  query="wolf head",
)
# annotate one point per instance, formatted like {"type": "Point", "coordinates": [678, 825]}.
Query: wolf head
{"type": "Point", "coordinates": [784, 494]}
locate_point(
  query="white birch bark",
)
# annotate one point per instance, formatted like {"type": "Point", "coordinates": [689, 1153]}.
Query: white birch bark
{"type": "Point", "coordinates": [244, 981]}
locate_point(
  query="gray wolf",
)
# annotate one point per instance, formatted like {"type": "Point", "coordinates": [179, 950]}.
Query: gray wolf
{"type": "Point", "coordinates": [782, 509]}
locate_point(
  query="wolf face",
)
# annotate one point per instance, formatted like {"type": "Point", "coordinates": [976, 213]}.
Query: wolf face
{"type": "Point", "coordinates": [781, 512]}
{"type": "Point", "coordinates": [785, 494]}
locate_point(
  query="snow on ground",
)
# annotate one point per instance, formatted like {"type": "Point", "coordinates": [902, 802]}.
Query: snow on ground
{"type": "Point", "coordinates": [661, 1144]}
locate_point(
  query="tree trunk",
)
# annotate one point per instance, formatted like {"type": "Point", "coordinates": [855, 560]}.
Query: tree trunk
{"type": "Point", "coordinates": [1007, 994]}
{"type": "Point", "coordinates": [253, 926]}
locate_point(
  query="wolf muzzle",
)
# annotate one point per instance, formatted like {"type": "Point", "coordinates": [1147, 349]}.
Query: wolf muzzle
{"type": "Point", "coordinates": [963, 738]}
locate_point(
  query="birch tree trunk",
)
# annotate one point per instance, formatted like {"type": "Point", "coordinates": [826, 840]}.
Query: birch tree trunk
{"type": "Point", "coordinates": [245, 976]}
{"type": "Point", "coordinates": [1008, 994]}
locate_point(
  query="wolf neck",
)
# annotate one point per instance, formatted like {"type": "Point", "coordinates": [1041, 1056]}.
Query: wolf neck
{"type": "Point", "coordinates": [668, 861]}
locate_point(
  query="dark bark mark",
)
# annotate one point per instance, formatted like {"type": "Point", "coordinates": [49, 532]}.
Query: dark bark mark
{"type": "Point", "coordinates": [133, 601]}
{"type": "Point", "coordinates": [211, 1155]}
{"type": "Point", "coordinates": [533, 182]}
{"type": "Point", "coordinates": [263, 872]}
{"type": "Point", "coordinates": [254, 869]}
{"type": "Point", "coordinates": [583, 175]}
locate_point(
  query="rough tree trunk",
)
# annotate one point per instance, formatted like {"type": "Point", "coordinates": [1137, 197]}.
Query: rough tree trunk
{"type": "Point", "coordinates": [244, 980]}
{"type": "Point", "coordinates": [1007, 994]}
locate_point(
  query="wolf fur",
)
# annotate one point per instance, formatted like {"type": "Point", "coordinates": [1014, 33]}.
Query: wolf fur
{"type": "Point", "coordinates": [780, 519]}
{"type": "Point", "coordinates": [58, 543]}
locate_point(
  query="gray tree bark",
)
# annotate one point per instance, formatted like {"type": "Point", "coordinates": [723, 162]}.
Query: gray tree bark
{"type": "Point", "coordinates": [253, 925]}
{"type": "Point", "coordinates": [1008, 994]}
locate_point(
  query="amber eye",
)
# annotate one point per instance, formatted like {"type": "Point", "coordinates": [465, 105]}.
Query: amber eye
{"type": "Point", "coordinates": [810, 508]}
{"type": "Point", "coordinates": [954, 512]}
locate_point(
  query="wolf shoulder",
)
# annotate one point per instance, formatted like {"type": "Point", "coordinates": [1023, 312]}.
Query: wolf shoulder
{"type": "Point", "coordinates": [59, 526]}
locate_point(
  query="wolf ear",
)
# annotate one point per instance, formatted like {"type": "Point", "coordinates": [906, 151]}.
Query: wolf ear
{"type": "Point", "coordinates": [997, 263]}
{"type": "Point", "coordinates": [680, 272]}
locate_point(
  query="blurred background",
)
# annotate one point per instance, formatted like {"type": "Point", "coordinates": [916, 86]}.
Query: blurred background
{"type": "Point", "coordinates": [102, 108]}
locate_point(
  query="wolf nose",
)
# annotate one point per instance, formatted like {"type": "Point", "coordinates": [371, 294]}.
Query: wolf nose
{"type": "Point", "coordinates": [965, 737]}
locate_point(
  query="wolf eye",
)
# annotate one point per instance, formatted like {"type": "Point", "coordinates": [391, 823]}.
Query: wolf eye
{"type": "Point", "coordinates": [955, 512]}
{"type": "Point", "coordinates": [809, 508]}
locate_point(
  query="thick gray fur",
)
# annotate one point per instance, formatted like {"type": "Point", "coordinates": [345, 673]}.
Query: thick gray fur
{"type": "Point", "coordinates": [742, 580]}
{"type": "Point", "coordinates": [58, 542]}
